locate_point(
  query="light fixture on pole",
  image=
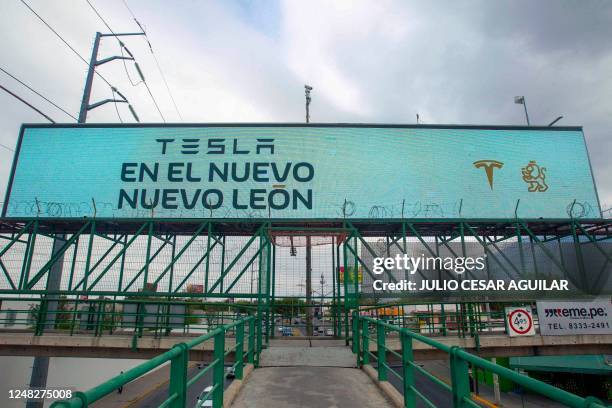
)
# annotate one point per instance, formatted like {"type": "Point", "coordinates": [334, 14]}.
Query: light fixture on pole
{"type": "Point", "coordinates": [520, 100]}
{"type": "Point", "coordinates": [555, 121]}
{"type": "Point", "coordinates": [307, 89]}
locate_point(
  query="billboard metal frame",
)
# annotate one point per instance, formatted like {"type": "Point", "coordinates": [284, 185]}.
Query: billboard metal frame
{"type": "Point", "coordinates": [289, 125]}
{"type": "Point", "coordinates": [68, 232]}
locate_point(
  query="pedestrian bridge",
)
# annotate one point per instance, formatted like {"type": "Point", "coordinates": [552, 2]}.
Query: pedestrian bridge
{"type": "Point", "coordinates": [294, 374]}
{"type": "Point", "coordinates": [378, 370]}
{"type": "Point", "coordinates": [126, 345]}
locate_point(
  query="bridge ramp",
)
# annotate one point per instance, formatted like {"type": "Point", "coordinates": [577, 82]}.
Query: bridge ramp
{"type": "Point", "coordinates": [296, 375]}
{"type": "Point", "coordinates": [307, 357]}
{"type": "Point", "coordinates": [304, 386]}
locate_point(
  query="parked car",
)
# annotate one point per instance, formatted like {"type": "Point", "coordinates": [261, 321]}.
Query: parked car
{"type": "Point", "coordinates": [329, 332]}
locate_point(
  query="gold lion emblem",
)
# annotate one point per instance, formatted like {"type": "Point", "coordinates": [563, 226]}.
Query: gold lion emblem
{"type": "Point", "coordinates": [535, 176]}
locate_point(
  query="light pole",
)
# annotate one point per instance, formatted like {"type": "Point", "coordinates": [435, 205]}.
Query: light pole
{"type": "Point", "coordinates": [555, 121]}
{"type": "Point", "coordinates": [307, 89]}
{"type": "Point", "coordinates": [520, 100]}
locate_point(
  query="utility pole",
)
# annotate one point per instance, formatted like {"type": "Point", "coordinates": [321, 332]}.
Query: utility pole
{"type": "Point", "coordinates": [89, 79]}
{"type": "Point", "coordinates": [40, 367]}
{"type": "Point", "coordinates": [95, 62]}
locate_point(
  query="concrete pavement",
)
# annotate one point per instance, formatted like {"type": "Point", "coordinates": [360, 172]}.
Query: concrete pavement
{"type": "Point", "coordinates": [317, 387]}
{"type": "Point", "coordinates": [307, 356]}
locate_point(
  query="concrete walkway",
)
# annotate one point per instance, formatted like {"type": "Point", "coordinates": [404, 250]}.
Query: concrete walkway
{"type": "Point", "coordinates": [317, 387]}
{"type": "Point", "coordinates": [307, 356]}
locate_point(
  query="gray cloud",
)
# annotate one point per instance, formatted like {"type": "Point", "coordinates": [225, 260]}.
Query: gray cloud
{"type": "Point", "coordinates": [457, 62]}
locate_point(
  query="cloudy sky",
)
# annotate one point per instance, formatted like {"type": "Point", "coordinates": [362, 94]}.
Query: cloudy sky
{"type": "Point", "coordinates": [377, 61]}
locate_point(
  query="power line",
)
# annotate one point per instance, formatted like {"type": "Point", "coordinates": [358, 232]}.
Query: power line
{"type": "Point", "coordinates": [121, 44]}
{"type": "Point", "coordinates": [37, 93]}
{"type": "Point", "coordinates": [64, 41]}
{"type": "Point", "coordinates": [27, 103]}
{"type": "Point", "coordinates": [161, 72]}
{"type": "Point", "coordinates": [126, 71]}
{"type": "Point", "coordinates": [154, 101]}
{"type": "Point", "coordinates": [6, 147]}
{"type": "Point", "coordinates": [116, 108]}
{"type": "Point", "coordinates": [100, 17]}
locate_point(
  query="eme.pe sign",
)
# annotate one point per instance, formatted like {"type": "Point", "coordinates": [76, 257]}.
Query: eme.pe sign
{"type": "Point", "coordinates": [300, 171]}
{"type": "Point", "coordinates": [558, 318]}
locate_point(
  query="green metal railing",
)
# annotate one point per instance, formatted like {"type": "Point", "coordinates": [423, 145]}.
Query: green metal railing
{"type": "Point", "coordinates": [460, 360]}
{"type": "Point", "coordinates": [98, 317]}
{"type": "Point", "coordinates": [463, 320]}
{"type": "Point", "coordinates": [178, 357]}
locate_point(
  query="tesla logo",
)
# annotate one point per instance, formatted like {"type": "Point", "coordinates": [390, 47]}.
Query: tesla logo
{"type": "Point", "coordinates": [489, 165]}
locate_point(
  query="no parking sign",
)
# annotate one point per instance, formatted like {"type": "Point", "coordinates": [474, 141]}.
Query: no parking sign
{"type": "Point", "coordinates": [519, 321]}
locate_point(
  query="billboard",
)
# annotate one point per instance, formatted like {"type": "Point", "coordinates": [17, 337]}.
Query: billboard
{"type": "Point", "coordinates": [558, 318]}
{"type": "Point", "coordinates": [300, 172]}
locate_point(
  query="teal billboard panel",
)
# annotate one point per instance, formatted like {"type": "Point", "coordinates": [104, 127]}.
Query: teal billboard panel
{"type": "Point", "coordinates": [300, 172]}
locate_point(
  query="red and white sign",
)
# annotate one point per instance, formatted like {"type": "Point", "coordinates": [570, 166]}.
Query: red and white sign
{"type": "Point", "coordinates": [519, 321]}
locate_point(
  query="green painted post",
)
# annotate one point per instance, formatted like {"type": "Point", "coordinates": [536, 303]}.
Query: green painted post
{"type": "Point", "coordinates": [356, 335]}
{"type": "Point", "coordinates": [338, 310]}
{"type": "Point", "coordinates": [172, 256]}
{"type": "Point", "coordinates": [73, 263]}
{"type": "Point", "coordinates": [29, 254]}
{"type": "Point", "coordinates": [381, 351]}
{"type": "Point", "coordinates": [408, 370]}
{"type": "Point", "coordinates": [258, 327]}
{"type": "Point", "coordinates": [219, 369]}
{"type": "Point", "coordinates": [147, 258]}
{"type": "Point", "coordinates": [141, 309]}
{"type": "Point", "coordinates": [239, 354]}
{"type": "Point", "coordinates": [333, 303]}
{"type": "Point", "coordinates": [268, 284]}
{"type": "Point", "coordinates": [579, 257]}
{"type": "Point", "coordinates": [365, 342]}
{"type": "Point", "coordinates": [41, 318]}
{"type": "Point", "coordinates": [178, 377]}
{"type": "Point", "coordinates": [272, 300]}
{"type": "Point", "coordinates": [443, 318]}
{"type": "Point", "coordinates": [207, 270]}
{"type": "Point", "coordinates": [222, 260]}
{"type": "Point", "coordinates": [460, 379]}
{"type": "Point", "coordinates": [346, 296]}
{"type": "Point", "coordinates": [251, 349]}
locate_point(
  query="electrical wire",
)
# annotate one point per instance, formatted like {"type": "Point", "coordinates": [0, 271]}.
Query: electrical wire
{"type": "Point", "coordinates": [127, 72]}
{"type": "Point", "coordinates": [161, 72]}
{"type": "Point", "coordinates": [6, 147]}
{"type": "Point", "coordinates": [65, 42]}
{"type": "Point", "coordinates": [72, 49]}
{"type": "Point", "coordinates": [38, 93]}
{"type": "Point", "coordinates": [116, 108]}
{"type": "Point", "coordinates": [14, 95]}
{"type": "Point", "coordinates": [143, 80]}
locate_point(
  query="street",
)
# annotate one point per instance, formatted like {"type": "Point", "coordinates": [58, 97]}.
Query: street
{"type": "Point", "coordinates": [157, 397]}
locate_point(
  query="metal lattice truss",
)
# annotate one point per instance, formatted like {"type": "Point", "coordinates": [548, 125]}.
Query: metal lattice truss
{"type": "Point", "coordinates": [239, 258]}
